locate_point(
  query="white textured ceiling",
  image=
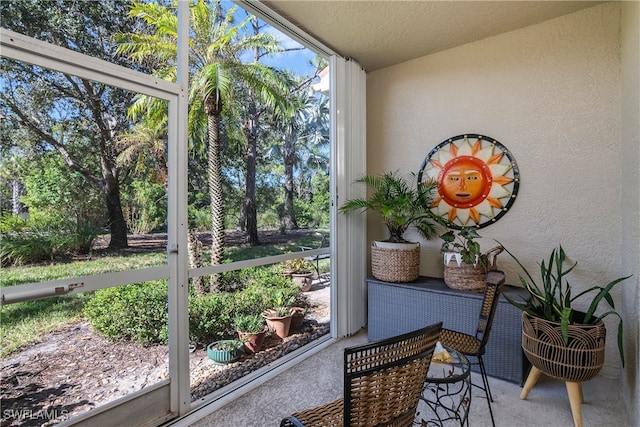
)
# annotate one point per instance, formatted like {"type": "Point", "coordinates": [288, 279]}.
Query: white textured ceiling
{"type": "Point", "coordinates": [378, 34]}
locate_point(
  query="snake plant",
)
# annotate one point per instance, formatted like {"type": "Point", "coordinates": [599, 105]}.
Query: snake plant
{"type": "Point", "coordinates": [552, 298]}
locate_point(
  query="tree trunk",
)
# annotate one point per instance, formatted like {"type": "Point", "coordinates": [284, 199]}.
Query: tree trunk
{"type": "Point", "coordinates": [17, 191]}
{"type": "Point", "coordinates": [250, 210]}
{"type": "Point", "coordinates": [195, 261]}
{"type": "Point", "coordinates": [117, 223]}
{"type": "Point", "coordinates": [214, 170]}
{"type": "Point", "coordinates": [288, 215]}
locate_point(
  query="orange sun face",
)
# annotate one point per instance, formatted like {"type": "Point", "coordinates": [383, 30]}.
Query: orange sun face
{"type": "Point", "coordinates": [477, 182]}
{"type": "Point", "coordinates": [465, 181]}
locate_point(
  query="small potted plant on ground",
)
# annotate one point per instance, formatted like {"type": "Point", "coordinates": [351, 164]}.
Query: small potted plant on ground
{"type": "Point", "coordinates": [251, 330]}
{"type": "Point", "coordinates": [225, 351]}
{"type": "Point", "coordinates": [279, 318]}
{"type": "Point", "coordinates": [559, 340]}
{"type": "Point", "coordinates": [400, 204]}
{"type": "Point", "coordinates": [298, 317]}
{"type": "Point", "coordinates": [301, 272]}
{"type": "Point", "coordinates": [465, 266]}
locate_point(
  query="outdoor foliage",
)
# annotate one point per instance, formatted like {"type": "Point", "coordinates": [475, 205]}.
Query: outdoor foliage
{"type": "Point", "coordinates": [32, 241]}
{"type": "Point", "coordinates": [92, 159]}
{"type": "Point", "coordinates": [212, 316]}
{"type": "Point", "coordinates": [133, 312]}
{"type": "Point", "coordinates": [139, 312]}
{"type": "Point", "coordinates": [77, 119]}
{"type": "Point", "coordinates": [145, 206]}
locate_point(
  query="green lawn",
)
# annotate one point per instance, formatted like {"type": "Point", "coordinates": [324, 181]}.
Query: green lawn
{"type": "Point", "coordinates": [24, 323]}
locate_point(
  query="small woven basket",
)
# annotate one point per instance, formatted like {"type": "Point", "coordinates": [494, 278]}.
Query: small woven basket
{"type": "Point", "coordinates": [395, 265]}
{"type": "Point", "coordinates": [467, 277]}
{"type": "Point", "coordinates": [578, 361]}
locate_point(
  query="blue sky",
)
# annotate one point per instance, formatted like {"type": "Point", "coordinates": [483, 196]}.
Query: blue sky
{"type": "Point", "coordinates": [297, 61]}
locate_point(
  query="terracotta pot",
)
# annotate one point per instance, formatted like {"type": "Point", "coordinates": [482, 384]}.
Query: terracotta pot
{"type": "Point", "coordinates": [278, 325]}
{"type": "Point", "coordinates": [297, 318]}
{"type": "Point", "coordinates": [253, 341]}
{"type": "Point", "coordinates": [303, 280]}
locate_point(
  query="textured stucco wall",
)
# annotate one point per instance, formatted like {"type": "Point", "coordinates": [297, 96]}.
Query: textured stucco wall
{"type": "Point", "coordinates": [552, 94]}
{"type": "Point", "coordinates": [630, 225]}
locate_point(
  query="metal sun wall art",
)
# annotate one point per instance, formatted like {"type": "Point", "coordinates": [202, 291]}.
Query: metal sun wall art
{"type": "Point", "coordinates": [478, 180]}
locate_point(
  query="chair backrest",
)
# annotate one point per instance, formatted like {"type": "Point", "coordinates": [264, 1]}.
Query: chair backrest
{"type": "Point", "coordinates": [371, 370]}
{"type": "Point", "coordinates": [492, 290]}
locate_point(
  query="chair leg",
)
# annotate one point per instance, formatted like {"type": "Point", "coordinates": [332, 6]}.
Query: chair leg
{"type": "Point", "coordinates": [485, 380]}
{"type": "Point", "coordinates": [487, 389]}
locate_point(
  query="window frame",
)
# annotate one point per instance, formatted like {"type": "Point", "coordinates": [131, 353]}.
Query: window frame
{"type": "Point", "coordinates": [170, 398]}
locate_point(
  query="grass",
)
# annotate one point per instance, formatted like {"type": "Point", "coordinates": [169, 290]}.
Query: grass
{"type": "Point", "coordinates": [24, 323]}
{"type": "Point", "coordinates": [30, 274]}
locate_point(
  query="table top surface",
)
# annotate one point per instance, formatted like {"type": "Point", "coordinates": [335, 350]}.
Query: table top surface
{"type": "Point", "coordinates": [437, 285]}
{"type": "Point", "coordinates": [450, 372]}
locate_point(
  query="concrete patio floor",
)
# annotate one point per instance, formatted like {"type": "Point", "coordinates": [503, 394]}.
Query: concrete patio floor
{"type": "Point", "coordinates": [318, 380]}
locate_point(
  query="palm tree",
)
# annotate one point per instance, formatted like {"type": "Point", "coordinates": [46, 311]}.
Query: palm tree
{"type": "Point", "coordinates": [308, 130]}
{"type": "Point", "coordinates": [215, 51]}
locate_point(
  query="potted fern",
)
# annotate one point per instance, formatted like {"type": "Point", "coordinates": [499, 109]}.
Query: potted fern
{"type": "Point", "coordinates": [400, 205]}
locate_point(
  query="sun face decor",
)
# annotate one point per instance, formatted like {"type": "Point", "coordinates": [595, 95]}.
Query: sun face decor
{"type": "Point", "coordinates": [478, 180]}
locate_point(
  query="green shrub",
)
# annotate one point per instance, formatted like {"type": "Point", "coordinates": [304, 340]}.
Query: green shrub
{"type": "Point", "coordinates": [144, 205]}
{"type": "Point", "coordinates": [137, 312]}
{"type": "Point", "coordinates": [37, 239]}
{"type": "Point", "coordinates": [75, 239]}
{"type": "Point", "coordinates": [211, 317]}
{"type": "Point", "coordinates": [10, 223]}
{"type": "Point", "coordinates": [200, 219]}
{"type": "Point", "coordinates": [23, 248]}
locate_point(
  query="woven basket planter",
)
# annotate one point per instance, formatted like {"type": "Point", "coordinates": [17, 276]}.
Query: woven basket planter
{"type": "Point", "coordinates": [468, 277]}
{"type": "Point", "coordinates": [395, 265]}
{"type": "Point", "coordinates": [579, 361]}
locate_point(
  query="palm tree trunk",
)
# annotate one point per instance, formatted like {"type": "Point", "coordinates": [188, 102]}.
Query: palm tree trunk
{"type": "Point", "coordinates": [250, 210]}
{"type": "Point", "coordinates": [288, 215]}
{"type": "Point", "coordinates": [195, 261]}
{"type": "Point", "coordinates": [214, 170]}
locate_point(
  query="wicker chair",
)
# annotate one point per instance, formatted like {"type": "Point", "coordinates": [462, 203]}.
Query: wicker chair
{"type": "Point", "coordinates": [474, 345]}
{"type": "Point", "coordinates": [382, 383]}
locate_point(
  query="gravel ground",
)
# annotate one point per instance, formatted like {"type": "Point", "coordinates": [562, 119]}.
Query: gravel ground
{"type": "Point", "coordinates": [74, 370]}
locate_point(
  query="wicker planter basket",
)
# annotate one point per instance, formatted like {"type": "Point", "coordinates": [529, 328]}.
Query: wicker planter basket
{"type": "Point", "coordinates": [467, 277]}
{"type": "Point", "coordinates": [395, 265]}
{"type": "Point", "coordinates": [580, 361]}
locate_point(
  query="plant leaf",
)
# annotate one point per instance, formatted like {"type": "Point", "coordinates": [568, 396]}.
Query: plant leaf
{"type": "Point", "coordinates": [564, 323]}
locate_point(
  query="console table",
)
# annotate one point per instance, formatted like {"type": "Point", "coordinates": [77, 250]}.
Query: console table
{"type": "Point", "coordinates": [396, 308]}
